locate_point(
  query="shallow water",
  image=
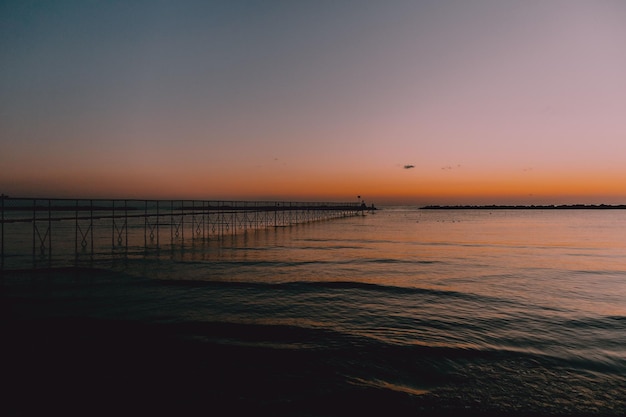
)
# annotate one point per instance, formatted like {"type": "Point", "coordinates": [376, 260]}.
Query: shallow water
{"type": "Point", "coordinates": [502, 312]}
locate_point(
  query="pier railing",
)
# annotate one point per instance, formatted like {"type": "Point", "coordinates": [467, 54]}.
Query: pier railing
{"type": "Point", "coordinates": [45, 232]}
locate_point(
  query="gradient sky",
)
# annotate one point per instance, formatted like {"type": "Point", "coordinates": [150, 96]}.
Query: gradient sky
{"type": "Point", "coordinates": [489, 101]}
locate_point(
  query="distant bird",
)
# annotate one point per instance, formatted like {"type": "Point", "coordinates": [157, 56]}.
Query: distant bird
{"type": "Point", "coordinates": [409, 166]}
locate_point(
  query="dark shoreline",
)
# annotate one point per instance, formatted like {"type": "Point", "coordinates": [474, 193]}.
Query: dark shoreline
{"type": "Point", "coordinates": [531, 207]}
{"type": "Point", "coordinates": [75, 342]}
{"type": "Point", "coordinates": [65, 352]}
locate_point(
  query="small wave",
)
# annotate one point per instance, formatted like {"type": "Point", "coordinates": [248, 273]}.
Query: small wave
{"type": "Point", "coordinates": [330, 247]}
{"type": "Point", "coordinates": [333, 285]}
{"type": "Point", "coordinates": [396, 261]}
{"type": "Point", "coordinates": [599, 272]}
{"type": "Point", "coordinates": [380, 384]}
{"type": "Point", "coordinates": [607, 322]}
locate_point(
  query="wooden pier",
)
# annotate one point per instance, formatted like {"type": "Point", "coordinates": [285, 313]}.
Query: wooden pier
{"type": "Point", "coordinates": [45, 233]}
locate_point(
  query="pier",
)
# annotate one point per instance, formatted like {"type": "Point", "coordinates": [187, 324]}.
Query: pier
{"type": "Point", "coordinates": [44, 232]}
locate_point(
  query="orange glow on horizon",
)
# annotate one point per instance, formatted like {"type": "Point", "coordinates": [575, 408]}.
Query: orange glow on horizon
{"type": "Point", "coordinates": [375, 187]}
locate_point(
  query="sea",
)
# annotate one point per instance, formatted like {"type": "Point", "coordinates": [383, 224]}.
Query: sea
{"type": "Point", "coordinates": [403, 311]}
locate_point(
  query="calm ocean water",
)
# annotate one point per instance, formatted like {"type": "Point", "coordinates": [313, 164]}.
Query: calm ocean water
{"type": "Point", "coordinates": [513, 312]}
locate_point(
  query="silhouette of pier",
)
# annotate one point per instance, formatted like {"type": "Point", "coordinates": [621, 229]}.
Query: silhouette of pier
{"type": "Point", "coordinates": [45, 232]}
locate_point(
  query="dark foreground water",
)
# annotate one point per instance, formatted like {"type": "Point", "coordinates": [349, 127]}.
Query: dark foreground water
{"type": "Point", "coordinates": [405, 312]}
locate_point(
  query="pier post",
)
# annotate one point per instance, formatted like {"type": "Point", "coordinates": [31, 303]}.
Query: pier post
{"type": "Point", "coordinates": [2, 238]}
{"type": "Point", "coordinates": [126, 225]}
{"type": "Point", "coordinates": [34, 232]}
{"type": "Point", "coordinates": [112, 225]}
{"type": "Point", "coordinates": [157, 225]}
{"type": "Point", "coordinates": [49, 231]}
{"type": "Point", "coordinates": [38, 239]}
{"type": "Point", "coordinates": [233, 218]}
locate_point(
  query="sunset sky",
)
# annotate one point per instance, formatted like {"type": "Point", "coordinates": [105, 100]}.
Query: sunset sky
{"type": "Point", "coordinates": [419, 102]}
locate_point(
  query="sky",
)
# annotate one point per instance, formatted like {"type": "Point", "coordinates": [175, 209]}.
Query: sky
{"type": "Point", "coordinates": [407, 102]}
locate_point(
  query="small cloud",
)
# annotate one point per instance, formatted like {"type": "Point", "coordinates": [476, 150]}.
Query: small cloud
{"type": "Point", "coordinates": [409, 166]}
{"type": "Point", "coordinates": [447, 168]}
